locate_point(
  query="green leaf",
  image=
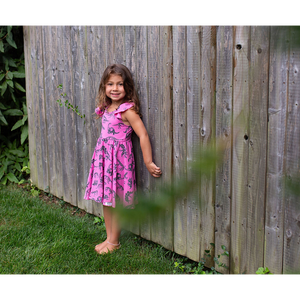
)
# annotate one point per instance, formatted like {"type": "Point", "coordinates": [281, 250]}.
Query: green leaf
{"type": "Point", "coordinates": [9, 75]}
{"type": "Point", "coordinates": [25, 117]}
{"type": "Point", "coordinates": [2, 106]}
{"type": "Point", "coordinates": [24, 134]}
{"type": "Point", "coordinates": [203, 274]}
{"type": "Point", "coordinates": [17, 152]}
{"type": "Point", "coordinates": [5, 61]}
{"type": "Point", "coordinates": [2, 76]}
{"type": "Point", "coordinates": [1, 46]}
{"type": "Point", "coordinates": [19, 87]}
{"type": "Point", "coordinates": [260, 270]}
{"type": "Point", "coordinates": [17, 166]}
{"type": "Point", "coordinates": [10, 83]}
{"type": "Point", "coordinates": [24, 108]}
{"type": "Point", "coordinates": [223, 247]}
{"type": "Point", "coordinates": [2, 172]}
{"type": "Point", "coordinates": [4, 180]}
{"type": "Point", "coordinates": [17, 74]}
{"type": "Point", "coordinates": [11, 62]}
{"type": "Point", "coordinates": [11, 177]}
{"type": "Point", "coordinates": [13, 112]}
{"type": "Point", "coordinates": [3, 119]}
{"type": "Point", "coordinates": [4, 87]}
{"type": "Point", "coordinates": [17, 125]}
{"type": "Point", "coordinates": [11, 41]}
{"type": "Point", "coordinates": [12, 94]}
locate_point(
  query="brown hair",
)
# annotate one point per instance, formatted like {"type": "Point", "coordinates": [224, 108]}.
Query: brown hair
{"type": "Point", "coordinates": [102, 101]}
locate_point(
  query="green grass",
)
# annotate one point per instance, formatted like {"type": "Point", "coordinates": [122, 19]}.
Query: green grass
{"type": "Point", "coordinates": [39, 236]}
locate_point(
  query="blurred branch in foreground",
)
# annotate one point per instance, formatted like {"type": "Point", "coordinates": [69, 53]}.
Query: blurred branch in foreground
{"type": "Point", "coordinates": [151, 204]}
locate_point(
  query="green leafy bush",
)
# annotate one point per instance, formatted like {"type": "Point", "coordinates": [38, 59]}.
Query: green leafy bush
{"type": "Point", "coordinates": [14, 155]}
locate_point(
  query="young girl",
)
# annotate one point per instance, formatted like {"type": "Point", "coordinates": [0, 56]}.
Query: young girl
{"type": "Point", "coordinates": [112, 172]}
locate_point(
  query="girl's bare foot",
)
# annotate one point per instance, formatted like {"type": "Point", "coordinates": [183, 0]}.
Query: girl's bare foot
{"type": "Point", "coordinates": [100, 246]}
{"type": "Point", "coordinates": [109, 247]}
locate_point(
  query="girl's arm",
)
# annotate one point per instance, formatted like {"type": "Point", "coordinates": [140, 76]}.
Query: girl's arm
{"type": "Point", "coordinates": [137, 125]}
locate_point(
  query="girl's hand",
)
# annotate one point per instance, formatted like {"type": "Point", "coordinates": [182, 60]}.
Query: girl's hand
{"type": "Point", "coordinates": [153, 169]}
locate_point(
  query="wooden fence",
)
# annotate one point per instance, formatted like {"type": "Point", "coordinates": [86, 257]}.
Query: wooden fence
{"type": "Point", "coordinates": [195, 83]}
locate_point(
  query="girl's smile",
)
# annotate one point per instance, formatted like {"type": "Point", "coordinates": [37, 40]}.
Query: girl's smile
{"type": "Point", "coordinates": [114, 88]}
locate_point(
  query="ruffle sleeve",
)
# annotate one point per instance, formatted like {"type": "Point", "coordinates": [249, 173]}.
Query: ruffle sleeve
{"type": "Point", "coordinates": [99, 112]}
{"type": "Point", "coordinates": [123, 107]}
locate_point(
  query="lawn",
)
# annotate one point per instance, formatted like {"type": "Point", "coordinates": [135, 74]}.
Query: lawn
{"type": "Point", "coordinates": [44, 235]}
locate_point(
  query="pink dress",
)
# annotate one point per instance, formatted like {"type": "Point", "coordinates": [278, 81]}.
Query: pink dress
{"type": "Point", "coordinates": [112, 172]}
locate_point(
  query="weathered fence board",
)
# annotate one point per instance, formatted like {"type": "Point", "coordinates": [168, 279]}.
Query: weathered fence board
{"type": "Point", "coordinates": [224, 71]}
{"type": "Point", "coordinates": [239, 85]}
{"type": "Point", "coordinates": [241, 57]}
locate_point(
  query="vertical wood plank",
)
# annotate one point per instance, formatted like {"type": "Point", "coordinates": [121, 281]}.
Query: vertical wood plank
{"type": "Point", "coordinates": [68, 121]}
{"type": "Point", "coordinates": [291, 259]}
{"type": "Point", "coordinates": [238, 260]}
{"type": "Point", "coordinates": [29, 54]}
{"type": "Point", "coordinates": [193, 136]}
{"type": "Point", "coordinates": [37, 158]}
{"type": "Point", "coordinates": [179, 133]}
{"type": "Point", "coordinates": [60, 112]}
{"type": "Point", "coordinates": [98, 65]}
{"type": "Point", "coordinates": [165, 98]}
{"type": "Point", "coordinates": [207, 134]}
{"type": "Point", "coordinates": [154, 116]}
{"type": "Point", "coordinates": [50, 79]}
{"type": "Point", "coordinates": [41, 132]}
{"type": "Point", "coordinates": [78, 62]}
{"type": "Point", "coordinates": [258, 146]}
{"type": "Point", "coordinates": [224, 82]}
{"type": "Point", "coordinates": [87, 108]}
{"type": "Point", "coordinates": [110, 44]}
{"type": "Point", "coordinates": [143, 92]}
{"type": "Point", "coordinates": [78, 92]}
{"type": "Point", "coordinates": [119, 44]}
{"type": "Point", "coordinates": [131, 63]}
{"type": "Point", "coordinates": [278, 83]}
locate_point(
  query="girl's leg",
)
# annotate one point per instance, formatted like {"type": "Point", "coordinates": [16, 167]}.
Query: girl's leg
{"type": "Point", "coordinates": [112, 231]}
{"type": "Point", "coordinates": [108, 221]}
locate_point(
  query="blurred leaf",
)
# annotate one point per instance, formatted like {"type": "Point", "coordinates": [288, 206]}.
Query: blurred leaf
{"type": "Point", "coordinates": [10, 83]}
{"type": "Point", "coordinates": [1, 46]}
{"type": "Point", "coordinates": [2, 118]}
{"type": "Point", "coordinates": [18, 153]}
{"type": "Point", "coordinates": [24, 133]}
{"type": "Point", "coordinates": [10, 40]}
{"type": "Point", "coordinates": [17, 125]}
{"type": "Point", "coordinates": [17, 74]}
{"type": "Point", "coordinates": [13, 112]}
{"type": "Point", "coordinates": [11, 177]}
{"type": "Point", "coordinates": [9, 75]}
{"type": "Point", "coordinates": [4, 87]}
{"type": "Point", "coordinates": [19, 87]}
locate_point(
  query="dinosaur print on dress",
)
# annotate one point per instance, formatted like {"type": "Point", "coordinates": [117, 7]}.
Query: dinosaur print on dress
{"type": "Point", "coordinates": [112, 173]}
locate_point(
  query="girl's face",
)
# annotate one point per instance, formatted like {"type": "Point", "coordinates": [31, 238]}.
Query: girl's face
{"type": "Point", "coordinates": [114, 88]}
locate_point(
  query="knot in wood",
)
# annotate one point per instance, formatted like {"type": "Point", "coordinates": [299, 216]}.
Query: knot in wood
{"type": "Point", "coordinates": [259, 50]}
{"type": "Point", "coordinates": [238, 46]}
{"type": "Point", "coordinates": [289, 233]}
